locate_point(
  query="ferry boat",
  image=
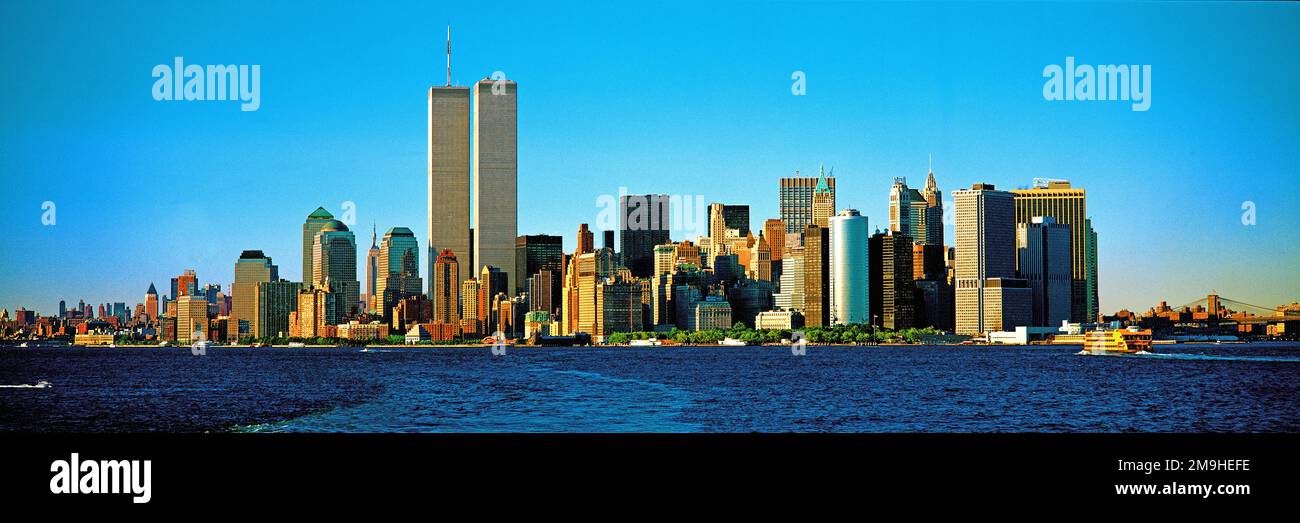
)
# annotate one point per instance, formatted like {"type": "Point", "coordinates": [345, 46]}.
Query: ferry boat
{"type": "Point", "coordinates": [1127, 341]}
{"type": "Point", "coordinates": [644, 343]}
{"type": "Point", "coordinates": [732, 342]}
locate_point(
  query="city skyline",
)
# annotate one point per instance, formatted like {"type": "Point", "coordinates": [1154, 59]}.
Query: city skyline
{"type": "Point", "coordinates": [191, 230]}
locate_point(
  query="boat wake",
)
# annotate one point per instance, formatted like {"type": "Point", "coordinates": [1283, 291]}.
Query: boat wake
{"type": "Point", "coordinates": [38, 385]}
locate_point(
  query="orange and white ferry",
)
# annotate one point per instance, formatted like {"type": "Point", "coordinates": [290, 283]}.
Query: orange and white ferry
{"type": "Point", "coordinates": [1126, 341]}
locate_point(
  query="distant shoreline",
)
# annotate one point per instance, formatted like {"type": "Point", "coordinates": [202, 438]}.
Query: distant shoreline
{"type": "Point", "coordinates": [610, 346]}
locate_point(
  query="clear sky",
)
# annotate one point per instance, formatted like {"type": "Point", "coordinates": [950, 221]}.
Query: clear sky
{"type": "Point", "coordinates": [689, 98]}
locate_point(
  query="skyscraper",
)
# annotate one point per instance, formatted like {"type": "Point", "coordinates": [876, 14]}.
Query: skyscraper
{"type": "Point", "coordinates": [791, 296]}
{"type": "Point", "coordinates": [491, 283]}
{"type": "Point", "coordinates": [315, 221]}
{"type": "Point", "coordinates": [816, 279]}
{"type": "Point", "coordinates": [449, 173]}
{"type": "Point", "coordinates": [151, 302]}
{"type": "Point", "coordinates": [823, 200]}
{"type": "Point", "coordinates": [535, 253]}
{"type": "Point", "coordinates": [398, 270]}
{"type": "Point", "coordinates": [1094, 308]}
{"type": "Point", "coordinates": [191, 318]}
{"type": "Point", "coordinates": [796, 200]}
{"type": "Point", "coordinates": [850, 279]}
{"type": "Point", "coordinates": [275, 301]}
{"type": "Point", "coordinates": [1068, 206]}
{"type": "Point", "coordinates": [187, 283]}
{"type": "Point", "coordinates": [252, 267]}
{"type": "Point", "coordinates": [988, 295]}
{"type": "Point", "coordinates": [586, 240]}
{"type": "Point", "coordinates": [334, 267]}
{"type": "Point", "coordinates": [446, 288]}
{"type": "Point", "coordinates": [372, 269]}
{"type": "Point", "coordinates": [1044, 253]}
{"type": "Point", "coordinates": [607, 240]}
{"type": "Point", "coordinates": [643, 223]}
{"type": "Point", "coordinates": [907, 211]}
{"type": "Point", "coordinates": [760, 260]}
{"type": "Point", "coordinates": [933, 210]}
{"type": "Point", "coordinates": [726, 217]}
{"type": "Point", "coordinates": [494, 169]}
{"type": "Point", "coordinates": [893, 304]}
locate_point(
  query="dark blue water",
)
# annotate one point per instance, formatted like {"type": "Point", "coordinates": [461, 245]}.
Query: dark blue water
{"type": "Point", "coordinates": [1188, 388]}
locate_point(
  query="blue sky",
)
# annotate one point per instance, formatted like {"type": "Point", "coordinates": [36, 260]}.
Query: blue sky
{"type": "Point", "coordinates": [685, 98]}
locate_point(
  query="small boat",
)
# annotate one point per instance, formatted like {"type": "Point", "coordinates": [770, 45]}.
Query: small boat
{"type": "Point", "coordinates": [23, 345]}
{"type": "Point", "coordinates": [732, 342]}
{"type": "Point", "coordinates": [644, 343]}
{"type": "Point", "coordinates": [1127, 341]}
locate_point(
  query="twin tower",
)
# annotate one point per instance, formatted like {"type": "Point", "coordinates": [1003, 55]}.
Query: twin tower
{"type": "Point", "coordinates": [473, 202]}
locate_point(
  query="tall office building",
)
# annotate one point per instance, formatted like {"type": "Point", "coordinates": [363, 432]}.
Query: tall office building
{"type": "Point", "coordinates": [893, 301]}
{"type": "Point", "coordinates": [191, 318]}
{"type": "Point", "coordinates": [1094, 308]}
{"type": "Point", "coordinates": [492, 282]}
{"type": "Point", "coordinates": [446, 288]}
{"type": "Point", "coordinates": [618, 306]}
{"type": "Point", "coordinates": [372, 269]}
{"type": "Point", "coordinates": [665, 259]}
{"type": "Point", "coordinates": [544, 291]}
{"type": "Point", "coordinates": [933, 210]}
{"type": "Point", "coordinates": [535, 253]}
{"type": "Point", "coordinates": [907, 211]}
{"type": "Point", "coordinates": [586, 271]}
{"type": "Point", "coordinates": [315, 221]}
{"type": "Point", "coordinates": [187, 283]}
{"type": "Point", "coordinates": [607, 240]}
{"type": "Point", "coordinates": [586, 240]}
{"type": "Point", "coordinates": [791, 295]}
{"type": "Point", "coordinates": [760, 260]}
{"type": "Point", "coordinates": [151, 302]}
{"type": "Point", "coordinates": [850, 279]}
{"type": "Point", "coordinates": [1044, 254]}
{"type": "Point", "coordinates": [449, 174]}
{"type": "Point", "coordinates": [774, 231]}
{"type": "Point", "coordinates": [796, 200]}
{"type": "Point", "coordinates": [252, 268]}
{"type": "Point", "coordinates": [1068, 206]}
{"type": "Point", "coordinates": [538, 252]}
{"type": "Point", "coordinates": [989, 297]}
{"type": "Point", "coordinates": [816, 279]}
{"type": "Point", "coordinates": [823, 200]}
{"type": "Point", "coordinates": [494, 169]}
{"type": "Point", "coordinates": [334, 265]}
{"type": "Point", "coordinates": [469, 306]}
{"type": "Point", "coordinates": [398, 274]}
{"type": "Point", "coordinates": [723, 217]}
{"type": "Point", "coordinates": [275, 301]}
{"type": "Point", "coordinates": [643, 223]}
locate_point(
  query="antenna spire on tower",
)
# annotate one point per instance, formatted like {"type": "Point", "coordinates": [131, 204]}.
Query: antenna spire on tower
{"type": "Point", "coordinates": [449, 56]}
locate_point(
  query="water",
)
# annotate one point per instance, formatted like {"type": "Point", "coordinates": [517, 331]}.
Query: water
{"type": "Point", "coordinates": [1185, 388]}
